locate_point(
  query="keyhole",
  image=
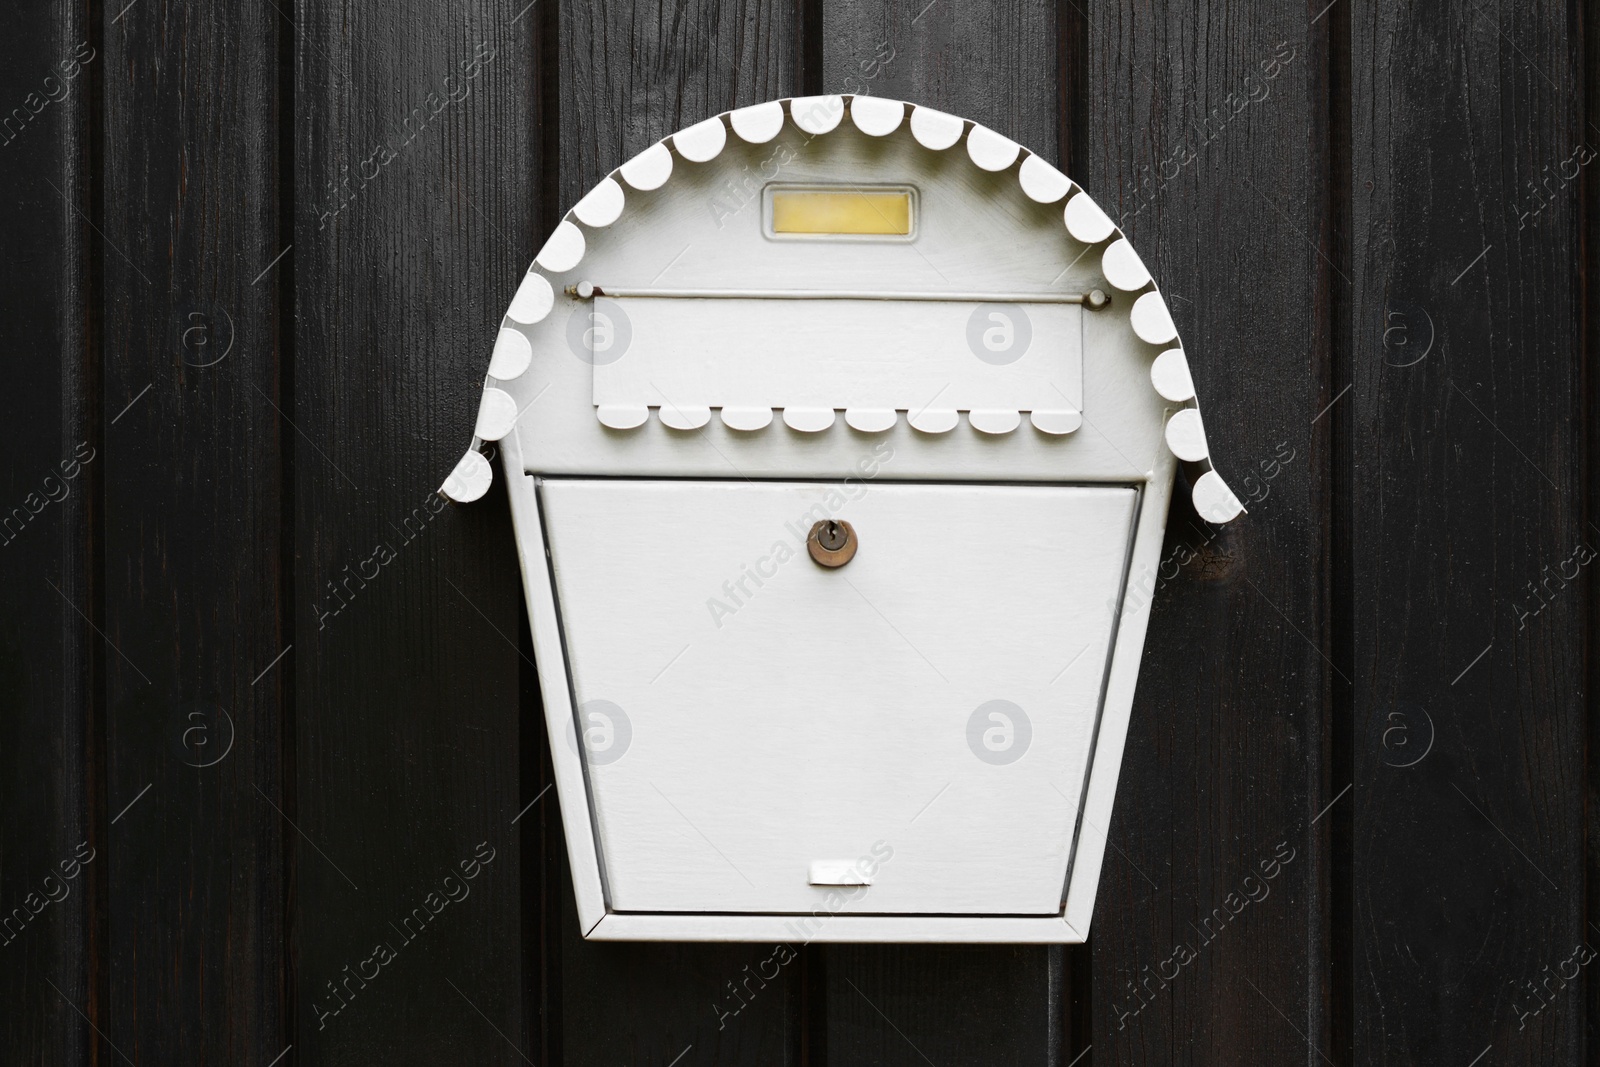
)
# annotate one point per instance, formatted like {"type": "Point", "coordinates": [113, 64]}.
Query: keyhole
{"type": "Point", "coordinates": [832, 542]}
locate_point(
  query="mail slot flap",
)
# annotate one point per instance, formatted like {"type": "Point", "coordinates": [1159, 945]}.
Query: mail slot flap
{"type": "Point", "coordinates": [921, 717]}
{"type": "Point", "coordinates": [862, 351]}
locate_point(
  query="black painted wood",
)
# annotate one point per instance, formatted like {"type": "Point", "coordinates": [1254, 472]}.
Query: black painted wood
{"type": "Point", "coordinates": [50, 439]}
{"type": "Point", "coordinates": [994, 64]}
{"type": "Point", "coordinates": [676, 1003]}
{"type": "Point", "coordinates": [1206, 136]}
{"type": "Point", "coordinates": [1589, 218]}
{"type": "Point", "coordinates": [1470, 534]}
{"type": "Point", "coordinates": [1398, 200]}
{"type": "Point", "coordinates": [630, 74]}
{"type": "Point", "coordinates": [192, 526]}
{"type": "Point", "coordinates": [415, 163]}
{"type": "Point", "coordinates": [894, 1004]}
{"type": "Point", "coordinates": [946, 1004]}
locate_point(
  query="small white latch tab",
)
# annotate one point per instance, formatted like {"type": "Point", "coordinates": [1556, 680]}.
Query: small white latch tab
{"type": "Point", "coordinates": [838, 872]}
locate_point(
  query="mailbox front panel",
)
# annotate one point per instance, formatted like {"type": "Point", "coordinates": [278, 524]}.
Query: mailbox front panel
{"type": "Point", "coordinates": [761, 730]}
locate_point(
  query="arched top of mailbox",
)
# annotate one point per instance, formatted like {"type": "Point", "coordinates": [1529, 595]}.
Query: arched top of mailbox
{"type": "Point", "coordinates": [1135, 296]}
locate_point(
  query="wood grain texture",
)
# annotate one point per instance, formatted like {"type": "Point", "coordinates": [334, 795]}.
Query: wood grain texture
{"type": "Point", "coordinates": [671, 1003]}
{"type": "Point", "coordinates": [996, 66]}
{"type": "Point", "coordinates": [415, 162]}
{"type": "Point", "coordinates": [1205, 136]}
{"type": "Point", "coordinates": [192, 527]}
{"type": "Point", "coordinates": [283, 495]}
{"type": "Point", "coordinates": [1470, 541]}
{"type": "Point", "coordinates": [630, 74]}
{"type": "Point", "coordinates": [1589, 216]}
{"type": "Point", "coordinates": [49, 654]}
{"type": "Point", "coordinates": [633, 72]}
{"type": "Point", "coordinates": [944, 1004]}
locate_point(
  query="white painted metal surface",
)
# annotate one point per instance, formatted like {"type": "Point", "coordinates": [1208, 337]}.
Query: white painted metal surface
{"type": "Point", "coordinates": [758, 124]}
{"type": "Point", "coordinates": [990, 150]}
{"type": "Point", "coordinates": [1042, 182]}
{"type": "Point", "coordinates": [1010, 453]}
{"type": "Point", "coordinates": [780, 712]}
{"type": "Point", "coordinates": [830, 353]}
{"type": "Point", "coordinates": [1170, 375]}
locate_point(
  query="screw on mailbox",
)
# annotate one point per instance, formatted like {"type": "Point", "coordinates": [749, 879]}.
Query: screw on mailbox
{"type": "Point", "coordinates": [832, 542]}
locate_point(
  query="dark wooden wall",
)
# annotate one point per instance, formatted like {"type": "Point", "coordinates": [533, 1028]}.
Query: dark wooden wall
{"type": "Point", "coordinates": [260, 691]}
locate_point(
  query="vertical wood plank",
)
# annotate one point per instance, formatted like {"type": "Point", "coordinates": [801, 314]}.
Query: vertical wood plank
{"type": "Point", "coordinates": [996, 65]}
{"type": "Point", "coordinates": [680, 1003]}
{"type": "Point", "coordinates": [415, 156]}
{"type": "Point", "coordinates": [631, 73]}
{"type": "Point", "coordinates": [945, 1004]}
{"type": "Point", "coordinates": [1589, 220]}
{"type": "Point", "coordinates": [1206, 136]}
{"type": "Point", "coordinates": [1470, 151]}
{"type": "Point", "coordinates": [49, 436]}
{"type": "Point", "coordinates": [192, 535]}
{"type": "Point", "coordinates": [966, 1004]}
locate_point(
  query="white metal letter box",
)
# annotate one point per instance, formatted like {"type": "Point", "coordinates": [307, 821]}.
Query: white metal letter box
{"type": "Point", "coordinates": [835, 430]}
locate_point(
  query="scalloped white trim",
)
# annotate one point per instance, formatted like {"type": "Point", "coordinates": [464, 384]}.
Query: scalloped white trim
{"type": "Point", "coordinates": [512, 354]}
{"type": "Point", "coordinates": [1186, 436]}
{"type": "Point", "coordinates": [942, 420]}
{"type": "Point", "coordinates": [689, 418]}
{"type": "Point", "coordinates": [990, 150]}
{"type": "Point", "coordinates": [1123, 268]}
{"type": "Point", "coordinates": [1152, 321]}
{"type": "Point", "coordinates": [864, 420]}
{"type": "Point", "coordinates": [878, 117]}
{"type": "Point", "coordinates": [759, 123]}
{"type": "Point", "coordinates": [875, 116]}
{"type": "Point", "coordinates": [747, 419]}
{"type": "Point", "coordinates": [994, 422]}
{"type": "Point", "coordinates": [1213, 500]}
{"type": "Point", "coordinates": [702, 142]}
{"type": "Point", "coordinates": [649, 169]}
{"type": "Point", "coordinates": [533, 301]}
{"type": "Point", "coordinates": [497, 414]}
{"type": "Point", "coordinates": [817, 114]}
{"type": "Point", "coordinates": [1042, 182]}
{"type": "Point", "coordinates": [1170, 375]}
{"type": "Point", "coordinates": [1086, 222]}
{"type": "Point", "coordinates": [1056, 422]}
{"type": "Point", "coordinates": [934, 129]}
{"type": "Point", "coordinates": [602, 206]}
{"type": "Point", "coordinates": [622, 417]}
{"type": "Point", "coordinates": [871, 420]}
{"type": "Point", "coordinates": [808, 420]}
{"type": "Point", "coordinates": [469, 480]}
{"type": "Point", "coordinates": [564, 249]}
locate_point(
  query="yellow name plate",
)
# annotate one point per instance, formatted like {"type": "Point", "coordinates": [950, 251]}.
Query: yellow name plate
{"type": "Point", "coordinates": [844, 211]}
